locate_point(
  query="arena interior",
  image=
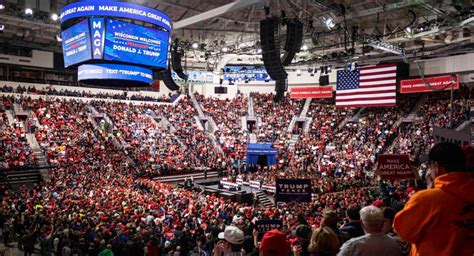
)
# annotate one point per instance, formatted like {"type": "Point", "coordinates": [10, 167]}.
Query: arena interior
{"type": "Point", "coordinates": [237, 127]}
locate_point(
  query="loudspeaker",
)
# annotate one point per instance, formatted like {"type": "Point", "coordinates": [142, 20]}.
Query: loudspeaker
{"type": "Point", "coordinates": [294, 40]}
{"type": "Point", "coordinates": [280, 88]}
{"type": "Point", "coordinates": [271, 48]}
{"type": "Point", "coordinates": [220, 90]}
{"type": "Point", "coordinates": [176, 64]}
{"type": "Point", "coordinates": [323, 80]}
{"type": "Point", "coordinates": [165, 76]}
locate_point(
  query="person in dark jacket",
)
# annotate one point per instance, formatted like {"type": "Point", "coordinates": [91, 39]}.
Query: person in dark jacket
{"type": "Point", "coordinates": [353, 227]}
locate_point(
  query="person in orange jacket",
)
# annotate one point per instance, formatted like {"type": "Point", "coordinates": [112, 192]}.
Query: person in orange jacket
{"type": "Point", "coordinates": [439, 221]}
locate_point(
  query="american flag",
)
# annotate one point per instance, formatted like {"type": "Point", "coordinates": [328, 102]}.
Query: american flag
{"type": "Point", "coordinates": [371, 86]}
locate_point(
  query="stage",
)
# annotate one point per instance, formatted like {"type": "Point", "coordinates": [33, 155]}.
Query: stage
{"type": "Point", "coordinates": [242, 195]}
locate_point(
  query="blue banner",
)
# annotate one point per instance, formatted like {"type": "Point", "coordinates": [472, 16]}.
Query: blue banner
{"type": "Point", "coordinates": [115, 9]}
{"type": "Point", "coordinates": [76, 44]}
{"type": "Point", "coordinates": [288, 190]}
{"type": "Point", "coordinates": [262, 226]}
{"type": "Point", "coordinates": [114, 71]}
{"type": "Point", "coordinates": [132, 43]}
{"type": "Point", "coordinates": [97, 26]}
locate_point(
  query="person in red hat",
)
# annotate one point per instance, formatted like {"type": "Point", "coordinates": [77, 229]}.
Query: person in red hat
{"type": "Point", "coordinates": [274, 243]}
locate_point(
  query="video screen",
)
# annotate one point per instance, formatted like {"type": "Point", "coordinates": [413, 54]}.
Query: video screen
{"type": "Point", "coordinates": [127, 42]}
{"type": "Point", "coordinates": [76, 44]}
{"type": "Point", "coordinates": [245, 73]}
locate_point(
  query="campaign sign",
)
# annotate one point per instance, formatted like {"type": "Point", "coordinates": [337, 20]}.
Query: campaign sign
{"type": "Point", "coordinates": [436, 82]}
{"type": "Point", "coordinates": [316, 92]}
{"type": "Point", "coordinates": [118, 9]}
{"type": "Point", "coordinates": [97, 26]}
{"type": "Point", "coordinates": [127, 42]}
{"type": "Point", "coordinates": [263, 226]}
{"type": "Point", "coordinates": [76, 44]}
{"type": "Point", "coordinates": [114, 71]}
{"type": "Point", "coordinates": [394, 167]}
{"type": "Point", "coordinates": [288, 190]}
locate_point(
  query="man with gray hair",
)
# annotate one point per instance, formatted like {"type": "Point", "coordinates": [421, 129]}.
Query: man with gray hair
{"type": "Point", "coordinates": [374, 242]}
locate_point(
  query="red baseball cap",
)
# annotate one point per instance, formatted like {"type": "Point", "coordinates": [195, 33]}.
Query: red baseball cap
{"type": "Point", "coordinates": [274, 243]}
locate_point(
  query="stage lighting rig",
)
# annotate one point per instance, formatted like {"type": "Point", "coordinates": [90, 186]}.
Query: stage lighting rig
{"type": "Point", "coordinates": [384, 46]}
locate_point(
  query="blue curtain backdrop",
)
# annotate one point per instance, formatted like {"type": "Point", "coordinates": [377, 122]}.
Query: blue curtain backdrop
{"type": "Point", "coordinates": [254, 150]}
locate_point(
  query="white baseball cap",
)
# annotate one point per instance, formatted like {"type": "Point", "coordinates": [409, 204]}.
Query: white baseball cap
{"type": "Point", "coordinates": [232, 235]}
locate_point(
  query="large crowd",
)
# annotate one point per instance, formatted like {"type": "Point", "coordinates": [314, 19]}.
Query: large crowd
{"type": "Point", "coordinates": [15, 152]}
{"type": "Point", "coordinates": [124, 95]}
{"type": "Point", "coordinates": [101, 201]}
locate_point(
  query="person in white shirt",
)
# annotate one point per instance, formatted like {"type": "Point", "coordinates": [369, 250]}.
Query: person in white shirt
{"type": "Point", "coordinates": [374, 242]}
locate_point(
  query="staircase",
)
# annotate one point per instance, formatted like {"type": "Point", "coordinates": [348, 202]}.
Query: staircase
{"type": "Point", "coordinates": [356, 117]}
{"type": "Point", "coordinates": [293, 140]}
{"type": "Point", "coordinates": [93, 110]}
{"type": "Point", "coordinates": [21, 177]}
{"type": "Point", "coordinates": [167, 125]}
{"type": "Point", "coordinates": [250, 111]}
{"type": "Point", "coordinates": [413, 113]}
{"type": "Point", "coordinates": [197, 106]}
{"type": "Point", "coordinates": [243, 121]}
{"type": "Point", "coordinates": [216, 143]}
{"type": "Point", "coordinates": [307, 125]}
{"type": "Point", "coordinates": [292, 124]}
{"type": "Point", "coordinates": [39, 155]}
{"type": "Point", "coordinates": [17, 108]}
{"type": "Point", "coordinates": [263, 199]}
{"type": "Point", "coordinates": [24, 176]}
{"type": "Point", "coordinates": [252, 138]}
{"type": "Point", "coordinates": [199, 123]}
{"type": "Point", "coordinates": [305, 108]}
{"type": "Point", "coordinates": [10, 118]}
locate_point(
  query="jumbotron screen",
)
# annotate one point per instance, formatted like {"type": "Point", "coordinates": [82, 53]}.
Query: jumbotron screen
{"type": "Point", "coordinates": [127, 42]}
{"type": "Point", "coordinates": [123, 43]}
{"type": "Point", "coordinates": [76, 44]}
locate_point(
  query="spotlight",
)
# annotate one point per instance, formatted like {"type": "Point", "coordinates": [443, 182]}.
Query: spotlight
{"type": "Point", "coordinates": [2, 27]}
{"type": "Point", "coordinates": [54, 17]}
{"type": "Point", "coordinates": [329, 22]}
{"type": "Point", "coordinates": [29, 11]}
{"type": "Point", "coordinates": [58, 38]}
{"type": "Point", "coordinates": [259, 50]}
{"type": "Point", "coordinates": [408, 29]}
{"type": "Point", "coordinates": [225, 49]}
{"type": "Point", "coordinates": [2, 6]}
{"type": "Point", "coordinates": [304, 47]}
{"type": "Point", "coordinates": [195, 45]}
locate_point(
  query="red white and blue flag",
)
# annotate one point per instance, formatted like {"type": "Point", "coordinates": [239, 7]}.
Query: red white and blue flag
{"type": "Point", "coordinates": [371, 86]}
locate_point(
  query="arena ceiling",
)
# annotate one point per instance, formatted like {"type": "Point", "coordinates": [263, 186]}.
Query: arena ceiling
{"type": "Point", "coordinates": [437, 27]}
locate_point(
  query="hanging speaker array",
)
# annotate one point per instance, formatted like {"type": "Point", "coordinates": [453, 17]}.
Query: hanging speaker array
{"type": "Point", "coordinates": [270, 41]}
{"type": "Point", "coordinates": [294, 40]}
{"type": "Point", "coordinates": [176, 63]}
{"type": "Point", "coordinates": [165, 76]}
